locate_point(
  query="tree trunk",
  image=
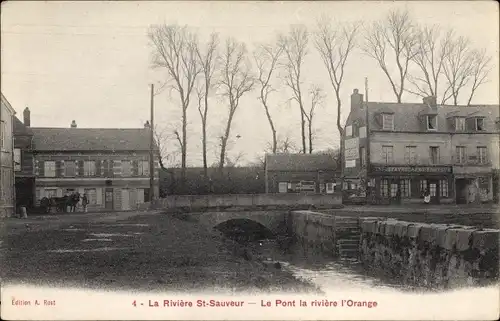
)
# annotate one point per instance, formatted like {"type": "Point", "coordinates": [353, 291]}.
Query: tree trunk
{"type": "Point", "coordinates": [225, 138]}
{"type": "Point", "coordinates": [184, 146]}
{"type": "Point", "coordinates": [303, 127]}
{"type": "Point", "coordinates": [271, 124]}
{"type": "Point", "coordinates": [204, 129]}
{"type": "Point", "coordinates": [310, 137]}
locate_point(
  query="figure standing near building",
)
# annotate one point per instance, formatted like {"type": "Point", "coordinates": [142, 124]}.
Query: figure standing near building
{"type": "Point", "coordinates": [427, 196]}
{"type": "Point", "coordinates": [85, 201]}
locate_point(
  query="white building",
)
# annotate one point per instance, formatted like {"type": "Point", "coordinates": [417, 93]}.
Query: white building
{"type": "Point", "coordinates": [7, 194]}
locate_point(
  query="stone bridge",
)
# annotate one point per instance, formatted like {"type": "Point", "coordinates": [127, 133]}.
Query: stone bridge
{"type": "Point", "coordinates": [272, 220]}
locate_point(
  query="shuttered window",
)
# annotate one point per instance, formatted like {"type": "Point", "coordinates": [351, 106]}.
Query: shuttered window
{"type": "Point", "coordinates": [49, 169]}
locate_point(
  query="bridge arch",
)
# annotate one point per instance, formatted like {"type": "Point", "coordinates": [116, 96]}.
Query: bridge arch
{"type": "Point", "coordinates": [272, 221]}
{"type": "Point", "coordinates": [245, 226]}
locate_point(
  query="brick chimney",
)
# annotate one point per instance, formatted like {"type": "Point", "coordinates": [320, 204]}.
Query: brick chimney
{"type": "Point", "coordinates": [430, 101]}
{"type": "Point", "coordinates": [146, 124]}
{"type": "Point", "coordinates": [27, 117]}
{"type": "Point", "coordinates": [73, 124]}
{"type": "Point", "coordinates": [356, 100]}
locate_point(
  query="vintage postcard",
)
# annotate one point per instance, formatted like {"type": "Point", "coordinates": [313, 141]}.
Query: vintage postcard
{"type": "Point", "coordinates": [250, 160]}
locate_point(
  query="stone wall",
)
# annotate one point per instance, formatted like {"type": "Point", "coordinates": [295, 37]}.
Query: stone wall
{"type": "Point", "coordinates": [246, 200]}
{"type": "Point", "coordinates": [431, 255]}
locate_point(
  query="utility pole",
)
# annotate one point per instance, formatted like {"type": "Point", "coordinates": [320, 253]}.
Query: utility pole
{"type": "Point", "coordinates": [367, 125]}
{"type": "Point", "coordinates": [151, 148]}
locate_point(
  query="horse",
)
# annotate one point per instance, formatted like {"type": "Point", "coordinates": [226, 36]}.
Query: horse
{"type": "Point", "coordinates": [73, 200]}
{"type": "Point", "coordinates": [45, 204]}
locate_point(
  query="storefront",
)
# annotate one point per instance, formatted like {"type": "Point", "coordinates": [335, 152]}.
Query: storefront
{"type": "Point", "coordinates": [474, 185]}
{"type": "Point", "coordinates": [407, 184]}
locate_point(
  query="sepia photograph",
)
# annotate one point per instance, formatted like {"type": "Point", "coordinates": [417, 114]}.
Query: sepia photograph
{"type": "Point", "coordinates": [250, 160]}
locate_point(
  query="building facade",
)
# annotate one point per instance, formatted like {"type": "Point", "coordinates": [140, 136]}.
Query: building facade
{"type": "Point", "coordinates": [24, 163]}
{"type": "Point", "coordinates": [7, 192]}
{"type": "Point", "coordinates": [110, 166]}
{"type": "Point", "coordinates": [450, 151]}
{"type": "Point", "coordinates": [301, 173]}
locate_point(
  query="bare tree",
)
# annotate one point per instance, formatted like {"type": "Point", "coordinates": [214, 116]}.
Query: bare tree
{"type": "Point", "coordinates": [317, 98]}
{"type": "Point", "coordinates": [160, 137]}
{"type": "Point", "coordinates": [481, 67]}
{"type": "Point", "coordinates": [432, 50]}
{"type": "Point", "coordinates": [208, 61]}
{"type": "Point", "coordinates": [236, 81]}
{"type": "Point", "coordinates": [266, 59]}
{"type": "Point", "coordinates": [458, 68]}
{"type": "Point", "coordinates": [286, 145]}
{"type": "Point", "coordinates": [335, 45]}
{"type": "Point", "coordinates": [174, 48]}
{"type": "Point", "coordinates": [395, 34]}
{"type": "Point", "coordinates": [295, 48]}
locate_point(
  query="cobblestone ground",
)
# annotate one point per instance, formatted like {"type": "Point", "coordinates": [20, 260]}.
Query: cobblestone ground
{"type": "Point", "coordinates": [142, 252]}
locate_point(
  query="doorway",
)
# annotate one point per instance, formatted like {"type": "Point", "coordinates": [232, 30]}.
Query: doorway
{"type": "Point", "coordinates": [108, 199]}
{"type": "Point", "coordinates": [434, 191]}
{"type": "Point", "coordinates": [461, 190]}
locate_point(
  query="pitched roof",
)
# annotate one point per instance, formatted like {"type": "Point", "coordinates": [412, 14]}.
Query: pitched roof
{"type": "Point", "coordinates": [300, 162]}
{"type": "Point", "coordinates": [91, 139]}
{"type": "Point", "coordinates": [20, 128]}
{"type": "Point", "coordinates": [6, 103]}
{"type": "Point", "coordinates": [407, 116]}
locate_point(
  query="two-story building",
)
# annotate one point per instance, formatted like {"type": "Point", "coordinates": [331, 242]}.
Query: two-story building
{"type": "Point", "coordinates": [24, 162]}
{"type": "Point", "coordinates": [7, 192]}
{"type": "Point", "coordinates": [110, 165]}
{"type": "Point", "coordinates": [450, 151]}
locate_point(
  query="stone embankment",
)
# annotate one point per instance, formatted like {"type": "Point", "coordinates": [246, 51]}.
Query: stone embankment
{"type": "Point", "coordinates": [430, 255]}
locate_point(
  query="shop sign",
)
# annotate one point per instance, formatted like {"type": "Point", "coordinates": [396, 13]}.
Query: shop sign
{"type": "Point", "coordinates": [412, 169]}
{"type": "Point", "coordinates": [351, 149]}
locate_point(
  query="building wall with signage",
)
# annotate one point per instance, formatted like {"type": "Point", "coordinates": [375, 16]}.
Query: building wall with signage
{"type": "Point", "coordinates": [401, 144]}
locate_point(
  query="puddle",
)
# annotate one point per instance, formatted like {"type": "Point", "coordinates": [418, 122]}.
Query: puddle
{"type": "Point", "coordinates": [130, 224]}
{"type": "Point", "coordinates": [108, 234]}
{"type": "Point", "coordinates": [137, 233]}
{"type": "Point", "coordinates": [73, 229]}
{"type": "Point", "coordinates": [100, 249]}
{"type": "Point", "coordinates": [102, 240]}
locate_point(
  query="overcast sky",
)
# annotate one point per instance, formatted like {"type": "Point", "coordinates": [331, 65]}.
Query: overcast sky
{"type": "Point", "coordinates": [90, 61]}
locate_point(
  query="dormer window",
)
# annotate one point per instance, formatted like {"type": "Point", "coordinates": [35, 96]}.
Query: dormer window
{"type": "Point", "coordinates": [431, 122]}
{"type": "Point", "coordinates": [459, 124]}
{"type": "Point", "coordinates": [387, 121]}
{"type": "Point", "coordinates": [479, 124]}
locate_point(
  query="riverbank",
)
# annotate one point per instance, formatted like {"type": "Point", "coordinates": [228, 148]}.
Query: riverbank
{"type": "Point", "coordinates": [153, 252]}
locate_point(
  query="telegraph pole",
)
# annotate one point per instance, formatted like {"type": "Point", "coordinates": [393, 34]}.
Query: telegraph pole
{"type": "Point", "coordinates": [151, 148]}
{"type": "Point", "coordinates": [367, 125]}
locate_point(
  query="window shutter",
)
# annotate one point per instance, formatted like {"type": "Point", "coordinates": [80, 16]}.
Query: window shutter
{"type": "Point", "coordinates": [104, 168]}
{"type": "Point", "coordinates": [79, 170]}
{"type": "Point", "coordinates": [470, 124]}
{"type": "Point", "coordinates": [40, 168]}
{"type": "Point", "coordinates": [98, 192]}
{"type": "Point", "coordinates": [135, 168]}
{"type": "Point", "coordinates": [415, 187]}
{"type": "Point", "coordinates": [98, 168]}
{"type": "Point", "coordinates": [59, 169]}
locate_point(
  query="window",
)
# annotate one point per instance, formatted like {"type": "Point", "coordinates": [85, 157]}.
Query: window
{"type": "Point", "coordinates": [405, 188]}
{"type": "Point", "coordinates": [482, 156]}
{"type": "Point", "coordinates": [432, 189]}
{"type": "Point", "coordinates": [461, 155]}
{"type": "Point", "coordinates": [363, 156]}
{"type": "Point", "coordinates": [459, 124]}
{"type": "Point", "coordinates": [387, 121]}
{"type": "Point", "coordinates": [431, 122]}
{"type": "Point", "coordinates": [411, 154]}
{"type": "Point", "coordinates": [89, 168]}
{"type": "Point", "coordinates": [70, 169]}
{"type": "Point", "coordinates": [50, 169]}
{"type": "Point", "coordinates": [362, 132]}
{"type": "Point", "coordinates": [384, 188]}
{"type": "Point", "coordinates": [126, 168]}
{"type": "Point", "coordinates": [434, 154]}
{"type": "Point", "coordinates": [387, 154]}
{"type": "Point", "coordinates": [348, 131]}
{"type": "Point", "coordinates": [330, 188]}
{"type": "Point", "coordinates": [91, 195]}
{"type": "Point", "coordinates": [50, 192]}
{"type": "Point", "coordinates": [479, 124]}
{"type": "Point", "coordinates": [17, 159]}
{"type": "Point", "coordinates": [283, 187]}
{"type": "Point", "coordinates": [443, 186]}
{"type": "Point", "coordinates": [143, 168]}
